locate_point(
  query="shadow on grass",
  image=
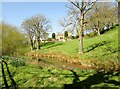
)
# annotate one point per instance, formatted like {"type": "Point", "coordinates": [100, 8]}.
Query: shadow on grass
{"type": "Point", "coordinates": [47, 44]}
{"type": "Point", "coordinates": [92, 47]}
{"type": "Point", "coordinates": [13, 83]}
{"type": "Point", "coordinates": [4, 76]}
{"type": "Point", "coordinates": [97, 78]}
{"type": "Point", "coordinates": [51, 44]}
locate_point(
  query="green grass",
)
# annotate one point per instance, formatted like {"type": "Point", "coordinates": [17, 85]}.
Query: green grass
{"type": "Point", "coordinates": [104, 47]}
{"type": "Point", "coordinates": [30, 75]}
{"type": "Point", "coordinates": [101, 47]}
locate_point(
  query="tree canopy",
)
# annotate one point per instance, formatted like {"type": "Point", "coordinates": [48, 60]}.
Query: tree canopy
{"type": "Point", "coordinates": [36, 27]}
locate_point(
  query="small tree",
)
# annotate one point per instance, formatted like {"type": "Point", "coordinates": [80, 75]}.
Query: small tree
{"type": "Point", "coordinates": [65, 34]}
{"type": "Point", "coordinates": [53, 35]}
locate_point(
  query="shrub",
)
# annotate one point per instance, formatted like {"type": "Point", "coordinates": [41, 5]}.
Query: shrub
{"type": "Point", "coordinates": [93, 34]}
{"type": "Point", "coordinates": [73, 37]}
{"type": "Point", "coordinates": [65, 34]}
{"type": "Point", "coordinates": [86, 35]}
{"type": "Point", "coordinates": [53, 35]}
{"type": "Point", "coordinates": [5, 57]}
{"type": "Point", "coordinates": [17, 63]}
{"type": "Point", "coordinates": [77, 36]}
{"type": "Point", "coordinates": [12, 39]}
{"type": "Point", "coordinates": [103, 31]}
{"type": "Point", "coordinates": [70, 37]}
{"type": "Point", "coordinates": [49, 39]}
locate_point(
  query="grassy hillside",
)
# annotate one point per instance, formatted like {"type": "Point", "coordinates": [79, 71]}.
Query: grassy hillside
{"type": "Point", "coordinates": [101, 47]}
{"type": "Point", "coordinates": [26, 71]}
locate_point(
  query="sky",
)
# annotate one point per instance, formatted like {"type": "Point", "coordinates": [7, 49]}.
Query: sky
{"type": "Point", "coordinates": [16, 12]}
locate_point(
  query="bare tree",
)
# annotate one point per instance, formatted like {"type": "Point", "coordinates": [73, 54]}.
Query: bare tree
{"type": "Point", "coordinates": [63, 22]}
{"type": "Point", "coordinates": [101, 15]}
{"type": "Point", "coordinates": [27, 25]}
{"type": "Point", "coordinates": [44, 35]}
{"type": "Point", "coordinates": [78, 10]}
{"type": "Point", "coordinates": [35, 27]}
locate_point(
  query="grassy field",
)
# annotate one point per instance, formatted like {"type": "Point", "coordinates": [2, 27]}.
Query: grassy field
{"type": "Point", "coordinates": [25, 71]}
{"type": "Point", "coordinates": [24, 74]}
{"type": "Point", "coordinates": [100, 47]}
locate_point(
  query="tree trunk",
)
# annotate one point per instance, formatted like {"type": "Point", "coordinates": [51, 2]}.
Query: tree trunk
{"type": "Point", "coordinates": [38, 42]}
{"type": "Point", "coordinates": [98, 29]}
{"type": "Point", "coordinates": [112, 25]}
{"type": "Point", "coordinates": [118, 13]}
{"type": "Point", "coordinates": [107, 26]}
{"type": "Point", "coordinates": [81, 34]}
{"type": "Point", "coordinates": [31, 41]}
{"type": "Point", "coordinates": [32, 45]}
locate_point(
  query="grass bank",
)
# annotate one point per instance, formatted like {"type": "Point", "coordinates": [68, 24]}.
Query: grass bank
{"type": "Point", "coordinates": [100, 47]}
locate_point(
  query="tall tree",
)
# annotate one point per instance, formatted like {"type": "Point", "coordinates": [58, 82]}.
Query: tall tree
{"type": "Point", "coordinates": [79, 10]}
{"type": "Point", "coordinates": [35, 26]}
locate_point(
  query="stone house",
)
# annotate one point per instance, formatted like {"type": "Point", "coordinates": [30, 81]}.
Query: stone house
{"type": "Point", "coordinates": [60, 37]}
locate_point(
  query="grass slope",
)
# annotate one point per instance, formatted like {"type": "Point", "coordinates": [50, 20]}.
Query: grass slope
{"type": "Point", "coordinates": [101, 47]}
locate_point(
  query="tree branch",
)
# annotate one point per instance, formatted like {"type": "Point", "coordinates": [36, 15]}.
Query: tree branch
{"type": "Point", "coordinates": [92, 4]}
{"type": "Point", "coordinates": [76, 5]}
